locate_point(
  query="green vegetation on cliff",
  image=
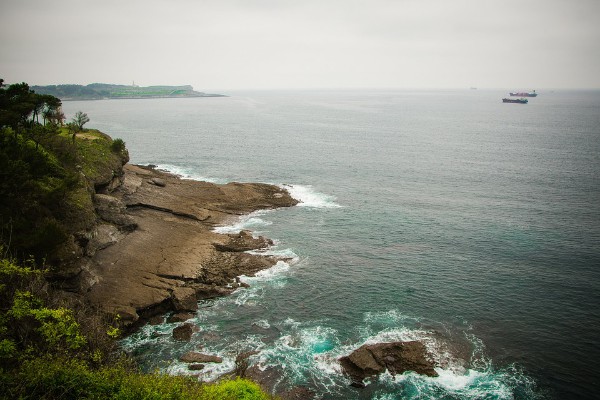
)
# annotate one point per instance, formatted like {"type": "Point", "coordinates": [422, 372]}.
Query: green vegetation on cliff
{"type": "Point", "coordinates": [48, 174]}
{"type": "Point", "coordinates": [54, 348]}
{"type": "Point", "coordinates": [52, 345]}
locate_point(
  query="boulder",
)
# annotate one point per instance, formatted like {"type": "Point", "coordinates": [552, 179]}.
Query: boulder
{"type": "Point", "coordinates": [397, 357]}
{"type": "Point", "coordinates": [158, 182]}
{"type": "Point", "coordinates": [195, 367]}
{"type": "Point", "coordinates": [183, 332]}
{"type": "Point", "coordinates": [195, 357]}
{"type": "Point", "coordinates": [180, 317]}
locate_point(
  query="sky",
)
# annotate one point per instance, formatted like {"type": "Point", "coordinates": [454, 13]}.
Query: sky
{"type": "Point", "coordinates": [303, 44]}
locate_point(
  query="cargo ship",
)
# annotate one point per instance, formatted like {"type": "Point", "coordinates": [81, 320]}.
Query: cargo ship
{"type": "Point", "coordinates": [519, 101]}
{"type": "Point", "coordinates": [524, 94]}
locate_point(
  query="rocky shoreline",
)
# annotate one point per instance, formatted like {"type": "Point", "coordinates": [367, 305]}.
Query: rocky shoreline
{"type": "Point", "coordinates": [154, 249]}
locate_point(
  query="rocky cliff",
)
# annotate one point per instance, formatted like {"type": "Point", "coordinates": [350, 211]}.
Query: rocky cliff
{"type": "Point", "coordinates": [149, 246]}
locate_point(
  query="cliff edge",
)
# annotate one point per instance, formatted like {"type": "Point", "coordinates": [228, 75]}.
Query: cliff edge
{"type": "Point", "coordinates": [141, 241]}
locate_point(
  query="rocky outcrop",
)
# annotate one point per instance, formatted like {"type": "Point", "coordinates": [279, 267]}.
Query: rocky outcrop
{"type": "Point", "coordinates": [154, 249]}
{"type": "Point", "coordinates": [112, 210]}
{"type": "Point", "coordinates": [397, 357]}
{"type": "Point", "coordinates": [243, 241]}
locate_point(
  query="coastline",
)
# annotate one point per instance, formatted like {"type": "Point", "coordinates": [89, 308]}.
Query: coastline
{"type": "Point", "coordinates": [155, 250]}
{"type": "Point", "coordinates": [141, 97]}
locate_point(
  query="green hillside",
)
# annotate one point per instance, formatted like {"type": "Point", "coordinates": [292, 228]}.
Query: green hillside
{"type": "Point", "coordinates": [96, 91]}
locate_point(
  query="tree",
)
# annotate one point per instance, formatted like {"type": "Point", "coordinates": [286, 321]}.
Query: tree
{"type": "Point", "coordinates": [80, 119]}
{"type": "Point", "coordinates": [73, 129]}
{"type": "Point", "coordinates": [20, 107]}
{"type": "Point", "coordinates": [52, 111]}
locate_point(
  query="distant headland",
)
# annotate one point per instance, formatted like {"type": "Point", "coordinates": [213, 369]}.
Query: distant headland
{"type": "Point", "coordinates": [98, 91]}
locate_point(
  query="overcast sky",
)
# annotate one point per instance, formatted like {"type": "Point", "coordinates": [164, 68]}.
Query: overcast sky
{"type": "Point", "coordinates": [270, 44]}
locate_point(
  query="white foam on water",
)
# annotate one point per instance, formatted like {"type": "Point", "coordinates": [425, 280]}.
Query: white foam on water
{"type": "Point", "coordinates": [187, 173]}
{"type": "Point", "coordinates": [391, 317]}
{"type": "Point", "coordinates": [210, 372]}
{"type": "Point", "coordinates": [303, 353]}
{"type": "Point", "coordinates": [287, 254]}
{"type": "Point", "coordinates": [308, 197]}
{"type": "Point", "coordinates": [250, 221]}
{"type": "Point", "coordinates": [270, 274]}
{"type": "Point", "coordinates": [160, 334]}
{"type": "Point", "coordinates": [248, 296]}
{"type": "Point", "coordinates": [308, 352]}
{"type": "Point", "coordinates": [228, 351]}
{"type": "Point", "coordinates": [262, 323]}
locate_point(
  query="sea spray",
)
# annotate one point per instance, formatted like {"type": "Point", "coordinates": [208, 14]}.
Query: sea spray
{"type": "Point", "coordinates": [188, 173]}
{"type": "Point", "coordinates": [252, 221]}
{"type": "Point", "coordinates": [308, 197]}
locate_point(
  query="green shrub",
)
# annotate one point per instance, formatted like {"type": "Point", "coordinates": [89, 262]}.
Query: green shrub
{"type": "Point", "coordinates": [235, 389]}
{"type": "Point", "coordinates": [53, 378]}
{"type": "Point", "coordinates": [117, 146]}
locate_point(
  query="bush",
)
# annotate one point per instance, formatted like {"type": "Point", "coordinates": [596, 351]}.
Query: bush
{"type": "Point", "coordinates": [53, 378]}
{"type": "Point", "coordinates": [117, 146]}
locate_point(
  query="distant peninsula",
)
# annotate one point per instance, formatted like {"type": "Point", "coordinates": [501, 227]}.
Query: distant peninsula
{"type": "Point", "coordinates": [98, 91]}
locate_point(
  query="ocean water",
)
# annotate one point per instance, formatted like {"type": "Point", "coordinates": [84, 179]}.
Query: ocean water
{"type": "Point", "coordinates": [442, 216]}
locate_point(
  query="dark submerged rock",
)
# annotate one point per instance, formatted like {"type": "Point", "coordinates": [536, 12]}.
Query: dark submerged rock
{"type": "Point", "coordinates": [195, 357]}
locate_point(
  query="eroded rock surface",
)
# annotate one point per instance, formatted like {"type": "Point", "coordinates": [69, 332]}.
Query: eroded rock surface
{"type": "Point", "coordinates": [156, 251]}
{"type": "Point", "coordinates": [396, 357]}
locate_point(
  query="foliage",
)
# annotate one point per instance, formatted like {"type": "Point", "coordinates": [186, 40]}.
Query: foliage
{"type": "Point", "coordinates": [52, 346]}
{"type": "Point", "coordinates": [52, 378]}
{"type": "Point", "coordinates": [44, 354]}
{"type": "Point", "coordinates": [48, 173]}
{"type": "Point", "coordinates": [20, 107]}
{"type": "Point", "coordinates": [117, 146]}
{"type": "Point", "coordinates": [33, 184]}
{"type": "Point", "coordinates": [56, 326]}
{"type": "Point", "coordinates": [80, 119]}
{"type": "Point", "coordinates": [26, 322]}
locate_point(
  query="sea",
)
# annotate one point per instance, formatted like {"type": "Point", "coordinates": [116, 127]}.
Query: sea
{"type": "Point", "coordinates": [444, 216]}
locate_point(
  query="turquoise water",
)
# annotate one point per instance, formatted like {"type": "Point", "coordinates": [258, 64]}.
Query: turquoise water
{"type": "Point", "coordinates": [443, 216]}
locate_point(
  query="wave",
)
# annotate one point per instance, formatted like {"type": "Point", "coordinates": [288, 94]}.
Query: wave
{"type": "Point", "coordinates": [188, 173]}
{"type": "Point", "coordinates": [307, 353]}
{"type": "Point", "coordinates": [252, 221]}
{"type": "Point", "coordinates": [305, 194]}
{"type": "Point", "coordinates": [308, 197]}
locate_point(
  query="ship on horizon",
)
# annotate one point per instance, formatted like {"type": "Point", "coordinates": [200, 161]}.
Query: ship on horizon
{"type": "Point", "coordinates": [524, 94]}
{"type": "Point", "coordinates": [519, 101]}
